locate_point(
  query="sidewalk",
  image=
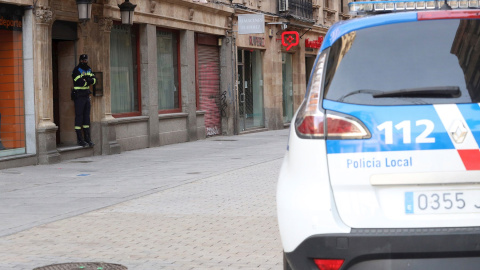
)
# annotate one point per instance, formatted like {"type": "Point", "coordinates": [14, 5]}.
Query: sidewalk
{"type": "Point", "coordinates": [207, 204]}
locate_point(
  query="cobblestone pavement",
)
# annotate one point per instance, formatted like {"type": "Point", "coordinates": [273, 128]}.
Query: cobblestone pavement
{"type": "Point", "coordinates": [223, 221]}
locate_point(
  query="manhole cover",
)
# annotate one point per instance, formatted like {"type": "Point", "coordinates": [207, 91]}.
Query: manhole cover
{"type": "Point", "coordinates": [83, 266]}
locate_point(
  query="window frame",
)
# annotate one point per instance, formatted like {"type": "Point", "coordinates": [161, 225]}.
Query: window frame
{"type": "Point", "coordinates": [136, 30]}
{"type": "Point", "coordinates": [176, 34]}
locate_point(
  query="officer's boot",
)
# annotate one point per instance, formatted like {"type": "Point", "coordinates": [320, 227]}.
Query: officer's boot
{"type": "Point", "coordinates": [86, 131]}
{"type": "Point", "coordinates": [80, 140]}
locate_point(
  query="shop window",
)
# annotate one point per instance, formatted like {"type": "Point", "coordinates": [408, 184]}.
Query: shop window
{"type": "Point", "coordinates": [12, 112]}
{"type": "Point", "coordinates": [168, 71]}
{"type": "Point", "coordinates": [124, 80]}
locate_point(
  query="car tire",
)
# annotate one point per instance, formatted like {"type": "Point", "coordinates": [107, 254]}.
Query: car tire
{"type": "Point", "coordinates": [286, 265]}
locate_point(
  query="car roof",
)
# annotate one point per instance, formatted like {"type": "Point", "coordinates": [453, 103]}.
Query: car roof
{"type": "Point", "coordinates": [344, 27]}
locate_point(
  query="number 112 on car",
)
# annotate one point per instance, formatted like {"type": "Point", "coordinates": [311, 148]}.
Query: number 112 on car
{"type": "Point", "coordinates": [442, 202]}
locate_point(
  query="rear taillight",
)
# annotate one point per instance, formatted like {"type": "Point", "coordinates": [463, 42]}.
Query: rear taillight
{"type": "Point", "coordinates": [312, 125]}
{"type": "Point", "coordinates": [340, 126]}
{"type": "Point", "coordinates": [310, 121]}
{"type": "Point", "coordinates": [324, 264]}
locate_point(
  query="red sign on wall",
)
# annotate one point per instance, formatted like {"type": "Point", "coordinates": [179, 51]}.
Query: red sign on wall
{"type": "Point", "coordinates": [315, 44]}
{"type": "Point", "coordinates": [290, 39]}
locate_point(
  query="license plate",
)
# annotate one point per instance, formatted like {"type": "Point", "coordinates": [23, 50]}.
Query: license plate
{"type": "Point", "coordinates": [441, 202]}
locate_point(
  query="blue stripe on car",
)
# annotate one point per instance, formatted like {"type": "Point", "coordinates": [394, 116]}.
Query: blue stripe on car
{"type": "Point", "coordinates": [373, 116]}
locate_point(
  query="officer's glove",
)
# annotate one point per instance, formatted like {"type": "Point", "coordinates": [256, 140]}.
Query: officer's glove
{"type": "Point", "coordinates": [90, 81]}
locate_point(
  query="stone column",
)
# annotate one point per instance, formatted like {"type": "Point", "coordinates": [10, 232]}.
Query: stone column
{"type": "Point", "coordinates": [28, 81]}
{"type": "Point", "coordinates": [272, 70]}
{"type": "Point", "coordinates": [108, 136]}
{"type": "Point", "coordinates": [187, 61]}
{"type": "Point", "coordinates": [227, 86]}
{"type": "Point", "coordinates": [148, 67]}
{"type": "Point", "coordinates": [46, 128]}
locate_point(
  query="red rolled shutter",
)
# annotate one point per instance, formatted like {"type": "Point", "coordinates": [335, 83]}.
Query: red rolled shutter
{"type": "Point", "coordinates": [209, 87]}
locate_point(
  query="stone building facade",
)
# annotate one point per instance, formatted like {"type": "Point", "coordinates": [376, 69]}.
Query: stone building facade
{"type": "Point", "coordinates": [183, 71]}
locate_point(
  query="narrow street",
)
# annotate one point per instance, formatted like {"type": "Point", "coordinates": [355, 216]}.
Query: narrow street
{"type": "Point", "coordinates": [207, 204]}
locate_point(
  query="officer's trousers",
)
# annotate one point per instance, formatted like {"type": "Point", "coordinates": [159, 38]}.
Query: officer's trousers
{"type": "Point", "coordinates": [82, 111]}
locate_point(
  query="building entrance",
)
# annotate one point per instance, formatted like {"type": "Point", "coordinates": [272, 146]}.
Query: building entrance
{"type": "Point", "coordinates": [64, 60]}
{"type": "Point", "coordinates": [250, 90]}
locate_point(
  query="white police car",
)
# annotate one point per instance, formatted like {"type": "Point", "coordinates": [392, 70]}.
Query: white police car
{"type": "Point", "coordinates": [383, 163]}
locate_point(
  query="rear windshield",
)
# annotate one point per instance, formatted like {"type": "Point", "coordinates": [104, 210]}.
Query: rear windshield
{"type": "Point", "coordinates": [422, 60]}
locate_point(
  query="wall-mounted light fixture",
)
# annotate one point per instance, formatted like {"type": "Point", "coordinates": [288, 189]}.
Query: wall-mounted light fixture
{"type": "Point", "coordinates": [126, 12]}
{"type": "Point", "coordinates": [283, 25]}
{"type": "Point", "coordinates": [84, 10]}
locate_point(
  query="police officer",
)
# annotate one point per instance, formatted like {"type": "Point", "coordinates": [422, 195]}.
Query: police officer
{"type": "Point", "coordinates": [83, 77]}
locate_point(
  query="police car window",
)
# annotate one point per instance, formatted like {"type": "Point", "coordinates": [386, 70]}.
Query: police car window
{"type": "Point", "coordinates": [408, 61]}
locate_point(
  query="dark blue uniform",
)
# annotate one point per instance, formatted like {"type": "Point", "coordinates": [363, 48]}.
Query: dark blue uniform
{"type": "Point", "coordinates": [83, 77]}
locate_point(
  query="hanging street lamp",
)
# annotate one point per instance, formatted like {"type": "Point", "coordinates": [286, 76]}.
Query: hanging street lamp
{"type": "Point", "coordinates": [84, 10]}
{"type": "Point", "coordinates": [126, 12]}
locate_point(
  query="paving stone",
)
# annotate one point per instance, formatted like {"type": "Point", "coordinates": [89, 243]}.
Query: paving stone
{"type": "Point", "coordinates": [224, 217]}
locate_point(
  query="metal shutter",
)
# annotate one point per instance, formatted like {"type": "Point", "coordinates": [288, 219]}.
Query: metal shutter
{"type": "Point", "coordinates": [209, 87]}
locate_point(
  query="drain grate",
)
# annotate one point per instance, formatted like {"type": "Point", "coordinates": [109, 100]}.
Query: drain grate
{"type": "Point", "coordinates": [83, 266]}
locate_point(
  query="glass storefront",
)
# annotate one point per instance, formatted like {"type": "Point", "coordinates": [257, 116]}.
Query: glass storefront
{"type": "Point", "coordinates": [250, 95]}
{"type": "Point", "coordinates": [12, 111]}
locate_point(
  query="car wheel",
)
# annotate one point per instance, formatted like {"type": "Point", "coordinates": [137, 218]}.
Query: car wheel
{"type": "Point", "coordinates": [286, 265]}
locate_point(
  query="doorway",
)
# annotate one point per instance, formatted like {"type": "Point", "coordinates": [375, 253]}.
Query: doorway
{"type": "Point", "coordinates": [64, 35]}
{"type": "Point", "coordinates": [309, 62]}
{"type": "Point", "coordinates": [250, 90]}
{"type": "Point", "coordinates": [287, 87]}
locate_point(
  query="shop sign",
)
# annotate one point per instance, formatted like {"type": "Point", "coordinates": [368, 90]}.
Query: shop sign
{"type": "Point", "coordinates": [314, 44]}
{"type": "Point", "coordinates": [290, 39]}
{"type": "Point", "coordinates": [10, 23]}
{"type": "Point", "coordinates": [10, 17]}
{"type": "Point", "coordinates": [251, 24]}
{"type": "Point", "coordinates": [256, 41]}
